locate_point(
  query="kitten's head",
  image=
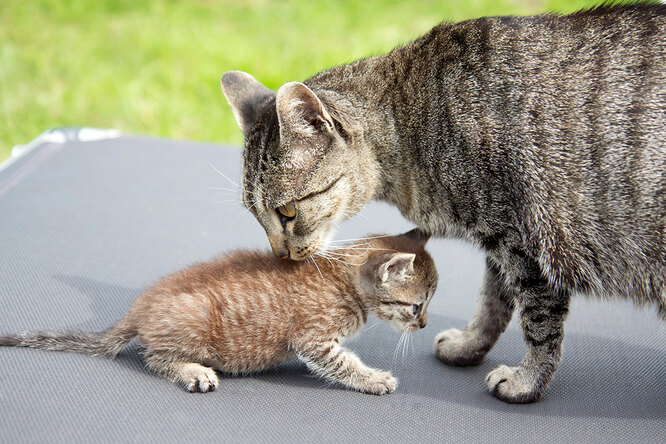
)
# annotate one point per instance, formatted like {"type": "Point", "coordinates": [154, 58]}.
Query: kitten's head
{"type": "Point", "coordinates": [304, 167]}
{"type": "Point", "coordinates": [399, 279]}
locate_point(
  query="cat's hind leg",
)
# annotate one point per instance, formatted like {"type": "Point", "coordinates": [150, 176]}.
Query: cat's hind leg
{"type": "Point", "coordinates": [542, 311]}
{"type": "Point", "coordinates": [191, 375]}
{"type": "Point", "coordinates": [494, 311]}
{"type": "Point", "coordinates": [331, 361]}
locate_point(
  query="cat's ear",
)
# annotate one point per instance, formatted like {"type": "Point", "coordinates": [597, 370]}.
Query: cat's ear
{"type": "Point", "coordinates": [396, 267]}
{"type": "Point", "coordinates": [301, 112]}
{"type": "Point", "coordinates": [245, 96]}
{"type": "Point", "coordinates": [418, 235]}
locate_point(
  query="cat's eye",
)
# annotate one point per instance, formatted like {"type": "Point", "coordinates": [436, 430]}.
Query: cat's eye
{"type": "Point", "coordinates": [416, 308]}
{"type": "Point", "coordinates": [287, 210]}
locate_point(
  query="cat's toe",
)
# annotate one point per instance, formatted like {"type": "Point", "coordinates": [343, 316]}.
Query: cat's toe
{"type": "Point", "coordinates": [204, 380]}
{"type": "Point", "coordinates": [455, 347]}
{"type": "Point", "coordinates": [381, 383]}
{"type": "Point", "coordinates": [512, 385]}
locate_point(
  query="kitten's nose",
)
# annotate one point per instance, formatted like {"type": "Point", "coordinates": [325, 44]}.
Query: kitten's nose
{"type": "Point", "coordinates": [423, 321]}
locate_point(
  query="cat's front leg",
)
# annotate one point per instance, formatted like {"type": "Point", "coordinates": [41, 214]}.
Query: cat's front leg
{"type": "Point", "coordinates": [542, 313]}
{"type": "Point", "coordinates": [493, 313]}
{"type": "Point", "coordinates": [334, 362]}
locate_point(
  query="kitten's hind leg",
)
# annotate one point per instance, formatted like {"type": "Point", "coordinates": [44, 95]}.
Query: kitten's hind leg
{"type": "Point", "coordinates": [494, 311]}
{"type": "Point", "coordinates": [542, 313]}
{"type": "Point", "coordinates": [331, 361]}
{"type": "Point", "coordinates": [193, 376]}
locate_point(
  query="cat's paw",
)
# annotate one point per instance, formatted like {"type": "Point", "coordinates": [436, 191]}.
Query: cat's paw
{"type": "Point", "coordinates": [198, 378]}
{"type": "Point", "coordinates": [379, 383]}
{"type": "Point", "coordinates": [513, 385]}
{"type": "Point", "coordinates": [455, 347]}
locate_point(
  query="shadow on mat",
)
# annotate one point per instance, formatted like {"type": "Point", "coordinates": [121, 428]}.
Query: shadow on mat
{"type": "Point", "coordinates": [597, 377]}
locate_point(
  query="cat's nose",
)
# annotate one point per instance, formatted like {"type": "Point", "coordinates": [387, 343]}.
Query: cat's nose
{"type": "Point", "coordinates": [281, 252]}
{"type": "Point", "coordinates": [423, 321]}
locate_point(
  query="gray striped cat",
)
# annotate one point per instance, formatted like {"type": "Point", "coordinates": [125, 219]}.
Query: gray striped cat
{"type": "Point", "coordinates": [540, 139]}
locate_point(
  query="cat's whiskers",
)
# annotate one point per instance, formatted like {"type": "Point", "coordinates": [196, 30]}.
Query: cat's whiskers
{"type": "Point", "coordinates": [338, 260]}
{"type": "Point", "coordinates": [223, 202]}
{"type": "Point", "coordinates": [328, 257]}
{"type": "Point", "coordinates": [315, 264]}
{"type": "Point", "coordinates": [247, 209]}
{"type": "Point", "coordinates": [322, 256]}
{"type": "Point", "coordinates": [230, 190]}
{"type": "Point", "coordinates": [362, 238]}
{"type": "Point", "coordinates": [223, 175]}
{"type": "Point", "coordinates": [350, 246]}
{"type": "Point", "coordinates": [337, 254]}
{"type": "Point", "coordinates": [405, 346]}
{"type": "Point", "coordinates": [397, 348]}
{"type": "Point", "coordinates": [372, 326]}
{"type": "Point", "coordinates": [338, 257]}
{"type": "Point", "coordinates": [360, 248]}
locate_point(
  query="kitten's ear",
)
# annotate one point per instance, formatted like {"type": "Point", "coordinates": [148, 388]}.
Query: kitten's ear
{"type": "Point", "coordinates": [300, 111]}
{"type": "Point", "coordinates": [418, 235]}
{"type": "Point", "coordinates": [245, 96]}
{"type": "Point", "coordinates": [396, 268]}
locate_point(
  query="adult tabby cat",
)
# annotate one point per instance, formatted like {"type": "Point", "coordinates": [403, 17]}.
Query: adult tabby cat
{"type": "Point", "coordinates": [248, 311]}
{"type": "Point", "coordinates": [540, 139]}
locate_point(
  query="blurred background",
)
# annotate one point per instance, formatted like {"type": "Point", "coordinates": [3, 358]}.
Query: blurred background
{"type": "Point", "coordinates": [154, 67]}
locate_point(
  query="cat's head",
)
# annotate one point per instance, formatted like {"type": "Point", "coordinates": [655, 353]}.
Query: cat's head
{"type": "Point", "coordinates": [305, 169]}
{"type": "Point", "coordinates": [399, 279]}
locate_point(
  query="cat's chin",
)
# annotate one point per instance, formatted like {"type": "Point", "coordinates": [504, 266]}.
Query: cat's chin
{"type": "Point", "coordinates": [302, 253]}
{"type": "Point", "coordinates": [311, 249]}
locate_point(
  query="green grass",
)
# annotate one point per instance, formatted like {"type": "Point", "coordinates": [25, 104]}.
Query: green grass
{"type": "Point", "coordinates": [154, 67]}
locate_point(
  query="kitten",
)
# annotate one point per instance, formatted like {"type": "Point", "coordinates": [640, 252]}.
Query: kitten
{"type": "Point", "coordinates": [540, 139]}
{"type": "Point", "coordinates": [248, 311]}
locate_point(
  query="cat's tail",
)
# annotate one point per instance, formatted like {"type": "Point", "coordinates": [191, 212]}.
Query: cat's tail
{"type": "Point", "coordinates": [106, 343]}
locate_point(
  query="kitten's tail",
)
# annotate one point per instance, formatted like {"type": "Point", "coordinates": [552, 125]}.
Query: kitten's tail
{"type": "Point", "coordinates": [106, 343]}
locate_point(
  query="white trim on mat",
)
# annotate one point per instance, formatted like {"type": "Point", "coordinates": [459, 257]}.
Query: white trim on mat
{"type": "Point", "coordinates": [60, 136]}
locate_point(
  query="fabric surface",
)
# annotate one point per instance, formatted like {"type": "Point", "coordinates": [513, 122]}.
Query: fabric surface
{"type": "Point", "coordinates": [86, 226]}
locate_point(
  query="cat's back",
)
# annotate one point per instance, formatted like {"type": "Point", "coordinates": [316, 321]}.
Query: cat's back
{"type": "Point", "coordinates": [568, 114]}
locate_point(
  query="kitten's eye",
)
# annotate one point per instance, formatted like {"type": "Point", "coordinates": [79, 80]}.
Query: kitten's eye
{"type": "Point", "coordinates": [416, 308]}
{"type": "Point", "coordinates": [287, 210]}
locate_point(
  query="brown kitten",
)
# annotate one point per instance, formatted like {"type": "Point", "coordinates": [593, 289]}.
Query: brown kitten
{"type": "Point", "coordinates": [248, 311]}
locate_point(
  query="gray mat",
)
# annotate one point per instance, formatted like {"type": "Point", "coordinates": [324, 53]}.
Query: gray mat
{"type": "Point", "coordinates": [85, 226]}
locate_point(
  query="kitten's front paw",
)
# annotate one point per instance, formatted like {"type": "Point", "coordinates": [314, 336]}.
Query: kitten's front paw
{"type": "Point", "coordinates": [455, 347]}
{"type": "Point", "coordinates": [198, 378]}
{"type": "Point", "coordinates": [513, 385]}
{"type": "Point", "coordinates": [379, 383]}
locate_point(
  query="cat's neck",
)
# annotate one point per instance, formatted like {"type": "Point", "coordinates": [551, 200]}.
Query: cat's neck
{"type": "Point", "coordinates": [384, 99]}
{"type": "Point", "coordinates": [354, 92]}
